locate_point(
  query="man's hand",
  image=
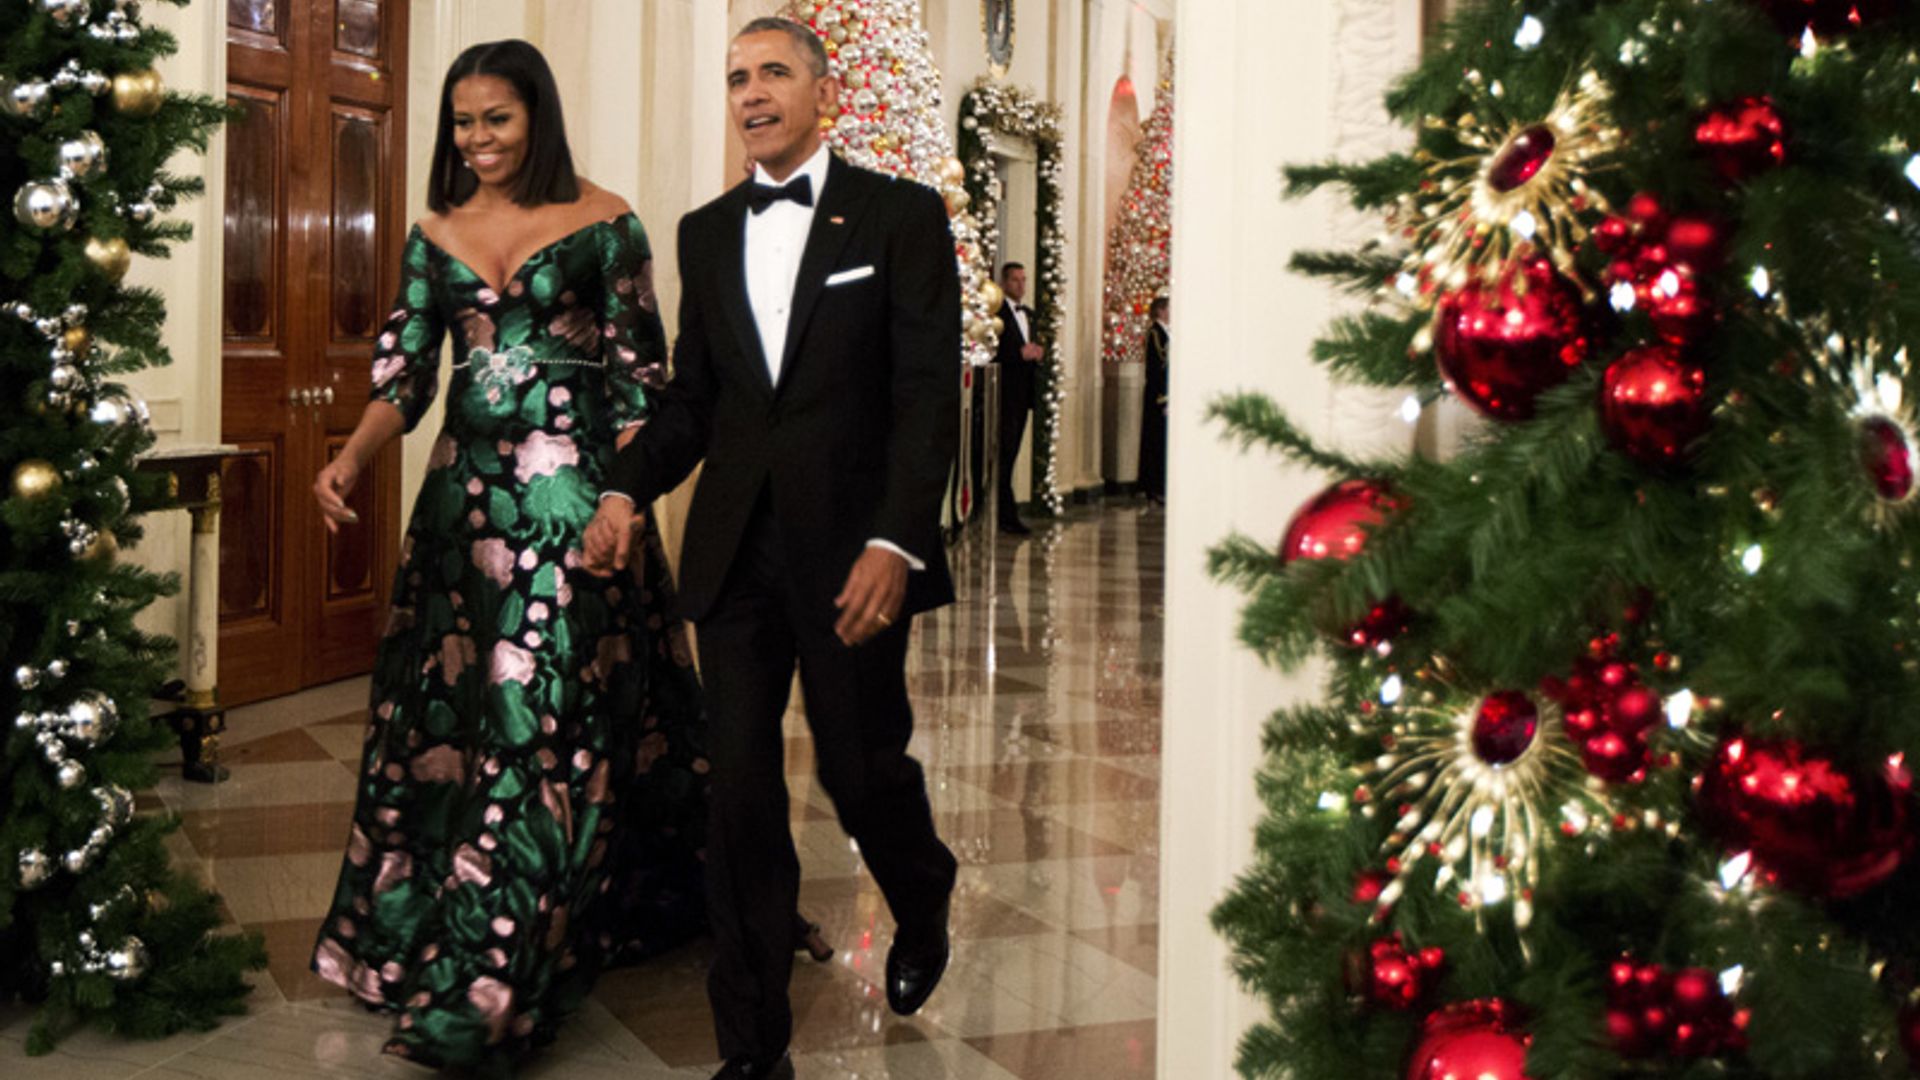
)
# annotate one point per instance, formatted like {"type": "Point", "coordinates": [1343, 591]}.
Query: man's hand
{"type": "Point", "coordinates": [609, 537]}
{"type": "Point", "coordinates": [1033, 353]}
{"type": "Point", "coordinates": [871, 600]}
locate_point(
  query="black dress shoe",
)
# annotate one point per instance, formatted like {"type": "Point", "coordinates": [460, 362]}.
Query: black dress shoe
{"type": "Point", "coordinates": [744, 1068]}
{"type": "Point", "coordinates": [913, 970]}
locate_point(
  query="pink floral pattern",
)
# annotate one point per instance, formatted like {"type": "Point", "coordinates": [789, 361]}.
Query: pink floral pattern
{"type": "Point", "coordinates": [487, 756]}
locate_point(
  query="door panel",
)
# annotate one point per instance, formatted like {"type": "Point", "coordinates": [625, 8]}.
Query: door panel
{"type": "Point", "coordinates": [314, 196]}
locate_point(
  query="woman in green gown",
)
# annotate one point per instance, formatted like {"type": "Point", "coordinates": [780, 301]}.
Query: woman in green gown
{"type": "Point", "coordinates": [531, 800]}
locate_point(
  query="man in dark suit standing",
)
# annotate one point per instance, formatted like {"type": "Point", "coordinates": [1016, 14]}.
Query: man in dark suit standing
{"type": "Point", "coordinates": [1019, 358]}
{"type": "Point", "coordinates": [817, 373]}
{"type": "Point", "coordinates": [1153, 406]}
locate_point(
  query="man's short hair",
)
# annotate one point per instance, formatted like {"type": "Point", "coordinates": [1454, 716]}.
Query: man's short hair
{"type": "Point", "coordinates": [1010, 268]}
{"type": "Point", "coordinates": [807, 40]}
{"type": "Point", "coordinates": [1158, 307]}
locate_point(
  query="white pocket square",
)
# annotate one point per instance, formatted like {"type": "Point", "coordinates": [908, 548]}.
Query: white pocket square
{"type": "Point", "coordinates": [854, 274]}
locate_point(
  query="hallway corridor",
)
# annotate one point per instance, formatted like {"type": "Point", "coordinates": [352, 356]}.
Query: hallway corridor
{"type": "Point", "coordinates": [1038, 700]}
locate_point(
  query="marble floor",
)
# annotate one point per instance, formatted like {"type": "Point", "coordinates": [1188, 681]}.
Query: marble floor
{"type": "Point", "coordinates": [1038, 704]}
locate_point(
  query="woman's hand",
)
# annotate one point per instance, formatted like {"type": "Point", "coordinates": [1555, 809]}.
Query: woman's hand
{"type": "Point", "coordinates": [331, 488]}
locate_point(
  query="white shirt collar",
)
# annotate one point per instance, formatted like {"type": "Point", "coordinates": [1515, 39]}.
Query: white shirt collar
{"type": "Point", "coordinates": [815, 169]}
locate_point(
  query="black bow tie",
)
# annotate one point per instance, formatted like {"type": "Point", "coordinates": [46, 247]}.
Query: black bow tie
{"type": "Point", "coordinates": [799, 189]}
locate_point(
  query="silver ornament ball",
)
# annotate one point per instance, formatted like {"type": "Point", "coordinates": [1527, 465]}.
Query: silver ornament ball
{"type": "Point", "coordinates": [129, 962]}
{"type": "Point", "coordinates": [35, 868]}
{"type": "Point", "coordinates": [66, 13]}
{"type": "Point", "coordinates": [71, 774]}
{"type": "Point", "coordinates": [26, 99]}
{"type": "Point", "coordinates": [83, 155]}
{"type": "Point", "coordinates": [91, 717]}
{"type": "Point", "coordinates": [46, 206]}
{"type": "Point", "coordinates": [116, 804]}
{"type": "Point", "coordinates": [26, 677]}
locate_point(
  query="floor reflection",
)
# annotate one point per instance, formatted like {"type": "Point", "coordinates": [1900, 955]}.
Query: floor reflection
{"type": "Point", "coordinates": [1038, 698]}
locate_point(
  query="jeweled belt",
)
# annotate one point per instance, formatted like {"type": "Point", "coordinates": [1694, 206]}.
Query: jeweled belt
{"type": "Point", "coordinates": [511, 367]}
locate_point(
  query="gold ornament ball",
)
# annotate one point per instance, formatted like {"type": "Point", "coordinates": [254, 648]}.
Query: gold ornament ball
{"type": "Point", "coordinates": [952, 171]}
{"type": "Point", "coordinates": [78, 340]}
{"type": "Point", "coordinates": [103, 548]}
{"type": "Point", "coordinates": [999, 326]}
{"type": "Point", "coordinates": [957, 200]}
{"type": "Point", "coordinates": [110, 257]}
{"type": "Point", "coordinates": [35, 479]}
{"type": "Point", "coordinates": [138, 93]}
{"type": "Point", "coordinates": [991, 294]}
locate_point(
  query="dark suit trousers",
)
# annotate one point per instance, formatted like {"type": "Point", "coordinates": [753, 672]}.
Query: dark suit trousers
{"type": "Point", "coordinates": [1153, 432]}
{"type": "Point", "coordinates": [857, 708]}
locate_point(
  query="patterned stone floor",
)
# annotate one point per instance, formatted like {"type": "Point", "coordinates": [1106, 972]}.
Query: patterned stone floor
{"type": "Point", "coordinates": [1038, 703]}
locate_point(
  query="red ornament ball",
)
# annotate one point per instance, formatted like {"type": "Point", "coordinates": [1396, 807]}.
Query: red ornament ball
{"type": "Point", "coordinates": [1504, 727]}
{"type": "Point", "coordinates": [1607, 712]}
{"type": "Point", "coordinates": [1742, 139]}
{"type": "Point", "coordinates": [1333, 525]}
{"type": "Point", "coordinates": [1396, 978]}
{"type": "Point", "coordinates": [1685, 1014]}
{"type": "Point", "coordinates": [1470, 1040]}
{"type": "Point", "coordinates": [1653, 404]}
{"type": "Point", "coordinates": [1812, 824]}
{"type": "Point", "coordinates": [1500, 345]}
{"type": "Point", "coordinates": [1662, 257]}
{"type": "Point", "coordinates": [1826, 18]}
{"type": "Point", "coordinates": [1887, 455]}
{"type": "Point", "coordinates": [1909, 1027]}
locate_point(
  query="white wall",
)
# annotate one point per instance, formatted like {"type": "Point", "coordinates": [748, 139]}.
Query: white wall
{"type": "Point", "coordinates": [185, 398]}
{"type": "Point", "coordinates": [1245, 323]}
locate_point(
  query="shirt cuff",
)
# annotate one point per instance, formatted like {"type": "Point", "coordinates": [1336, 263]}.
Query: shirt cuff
{"type": "Point", "coordinates": [605, 495]}
{"type": "Point", "coordinates": [889, 545]}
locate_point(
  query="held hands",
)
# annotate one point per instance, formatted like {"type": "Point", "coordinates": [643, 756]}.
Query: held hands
{"type": "Point", "coordinates": [1033, 353]}
{"type": "Point", "coordinates": [875, 590]}
{"type": "Point", "coordinates": [609, 538]}
{"type": "Point", "coordinates": [331, 488]}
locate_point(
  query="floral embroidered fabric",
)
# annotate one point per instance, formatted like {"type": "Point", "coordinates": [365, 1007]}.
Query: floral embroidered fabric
{"type": "Point", "coordinates": [532, 793]}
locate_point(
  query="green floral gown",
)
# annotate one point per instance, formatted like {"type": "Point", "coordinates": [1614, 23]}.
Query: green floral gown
{"type": "Point", "coordinates": [531, 798]}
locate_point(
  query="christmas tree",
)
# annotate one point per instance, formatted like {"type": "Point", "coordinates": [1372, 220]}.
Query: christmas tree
{"type": "Point", "coordinates": [890, 122]}
{"type": "Point", "coordinates": [1140, 251]}
{"type": "Point", "coordinates": [93, 923]}
{"type": "Point", "coordinates": [1610, 773]}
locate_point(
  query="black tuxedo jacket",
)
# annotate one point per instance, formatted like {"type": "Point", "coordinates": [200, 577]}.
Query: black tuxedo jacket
{"type": "Point", "coordinates": [1011, 339]}
{"type": "Point", "coordinates": [854, 442]}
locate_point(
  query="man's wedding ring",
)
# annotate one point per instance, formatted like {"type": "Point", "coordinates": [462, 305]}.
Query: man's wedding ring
{"type": "Point", "coordinates": [884, 621]}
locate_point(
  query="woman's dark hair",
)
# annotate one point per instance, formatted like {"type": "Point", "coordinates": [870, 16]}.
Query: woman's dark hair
{"type": "Point", "coordinates": [546, 172]}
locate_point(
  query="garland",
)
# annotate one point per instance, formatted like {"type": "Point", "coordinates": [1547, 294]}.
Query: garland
{"type": "Point", "coordinates": [986, 110]}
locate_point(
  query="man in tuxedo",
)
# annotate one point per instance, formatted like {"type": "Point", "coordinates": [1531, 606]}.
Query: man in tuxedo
{"type": "Point", "coordinates": [817, 373]}
{"type": "Point", "coordinates": [1153, 406]}
{"type": "Point", "coordinates": [1019, 358]}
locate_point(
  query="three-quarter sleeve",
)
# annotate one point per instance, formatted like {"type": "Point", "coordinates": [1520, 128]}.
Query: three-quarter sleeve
{"type": "Point", "coordinates": [636, 352]}
{"type": "Point", "coordinates": [406, 359]}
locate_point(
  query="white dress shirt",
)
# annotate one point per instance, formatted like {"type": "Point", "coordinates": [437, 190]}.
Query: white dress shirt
{"type": "Point", "coordinates": [1020, 316]}
{"type": "Point", "coordinates": [776, 238]}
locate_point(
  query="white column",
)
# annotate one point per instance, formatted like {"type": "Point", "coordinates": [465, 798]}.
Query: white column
{"type": "Point", "coordinates": [1260, 84]}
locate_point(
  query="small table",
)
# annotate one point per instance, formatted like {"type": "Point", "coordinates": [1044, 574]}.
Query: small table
{"type": "Point", "coordinates": [193, 485]}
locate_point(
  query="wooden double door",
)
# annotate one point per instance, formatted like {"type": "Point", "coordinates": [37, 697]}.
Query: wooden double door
{"type": "Point", "coordinates": [315, 208]}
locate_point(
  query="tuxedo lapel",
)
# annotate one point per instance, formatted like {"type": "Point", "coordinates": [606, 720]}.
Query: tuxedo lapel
{"type": "Point", "coordinates": [833, 222]}
{"type": "Point", "coordinates": [732, 248]}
